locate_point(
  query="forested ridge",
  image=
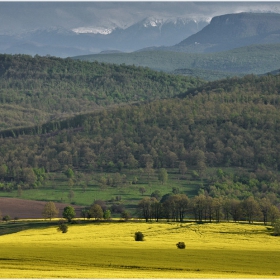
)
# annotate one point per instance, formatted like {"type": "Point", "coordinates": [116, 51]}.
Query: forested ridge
{"type": "Point", "coordinates": [34, 90]}
{"type": "Point", "coordinates": [237, 115]}
{"type": "Point", "coordinates": [253, 59]}
{"type": "Point", "coordinates": [230, 123]}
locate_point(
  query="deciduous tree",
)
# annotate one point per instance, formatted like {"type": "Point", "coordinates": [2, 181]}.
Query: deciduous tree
{"type": "Point", "coordinates": [182, 167]}
{"type": "Point", "coordinates": [251, 209]}
{"type": "Point", "coordinates": [69, 213]}
{"type": "Point", "coordinates": [50, 211]}
{"type": "Point", "coordinates": [156, 194]}
{"type": "Point", "coordinates": [163, 175]}
{"type": "Point", "coordinates": [145, 208]}
{"type": "Point", "coordinates": [29, 176]}
{"type": "Point", "coordinates": [96, 211]}
{"type": "Point", "coordinates": [142, 190]}
{"type": "Point", "coordinates": [107, 215]}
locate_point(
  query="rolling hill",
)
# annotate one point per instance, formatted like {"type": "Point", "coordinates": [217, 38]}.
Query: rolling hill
{"type": "Point", "coordinates": [34, 90]}
{"type": "Point", "coordinates": [233, 122]}
{"type": "Point", "coordinates": [254, 59]}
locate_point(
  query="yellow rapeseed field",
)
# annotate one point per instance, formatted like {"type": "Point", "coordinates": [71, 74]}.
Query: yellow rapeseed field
{"type": "Point", "coordinates": [108, 250]}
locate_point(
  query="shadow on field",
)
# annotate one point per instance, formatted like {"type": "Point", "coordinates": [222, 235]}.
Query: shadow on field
{"type": "Point", "coordinates": [13, 227]}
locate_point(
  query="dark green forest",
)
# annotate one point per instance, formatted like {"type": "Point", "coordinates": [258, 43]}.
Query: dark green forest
{"type": "Point", "coordinates": [222, 135]}
{"type": "Point", "coordinates": [233, 122]}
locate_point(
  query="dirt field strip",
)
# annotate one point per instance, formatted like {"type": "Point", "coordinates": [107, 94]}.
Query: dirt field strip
{"type": "Point", "coordinates": [29, 209]}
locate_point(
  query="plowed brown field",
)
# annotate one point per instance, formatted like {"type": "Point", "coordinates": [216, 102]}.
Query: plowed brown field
{"type": "Point", "coordinates": [25, 209]}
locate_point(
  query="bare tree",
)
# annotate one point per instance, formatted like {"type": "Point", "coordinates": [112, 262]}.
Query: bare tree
{"type": "Point", "coordinates": [142, 190]}
{"type": "Point", "coordinates": [50, 211]}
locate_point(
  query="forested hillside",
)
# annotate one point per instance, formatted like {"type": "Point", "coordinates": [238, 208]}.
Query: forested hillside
{"type": "Point", "coordinates": [233, 123]}
{"type": "Point", "coordinates": [37, 89]}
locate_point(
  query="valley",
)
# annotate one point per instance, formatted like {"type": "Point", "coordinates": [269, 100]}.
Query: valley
{"type": "Point", "coordinates": [179, 143]}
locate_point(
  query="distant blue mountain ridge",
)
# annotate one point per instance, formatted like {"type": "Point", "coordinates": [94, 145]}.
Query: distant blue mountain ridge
{"type": "Point", "coordinates": [66, 43]}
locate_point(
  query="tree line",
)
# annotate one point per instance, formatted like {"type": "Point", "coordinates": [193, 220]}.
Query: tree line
{"type": "Point", "coordinates": [204, 208]}
{"type": "Point", "coordinates": [180, 208]}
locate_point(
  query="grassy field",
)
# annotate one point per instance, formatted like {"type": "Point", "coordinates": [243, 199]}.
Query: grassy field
{"type": "Point", "coordinates": [57, 189]}
{"type": "Point", "coordinates": [108, 250]}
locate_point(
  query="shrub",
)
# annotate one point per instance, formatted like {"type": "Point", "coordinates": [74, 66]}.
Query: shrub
{"type": "Point", "coordinates": [139, 236]}
{"type": "Point", "coordinates": [6, 218]}
{"type": "Point", "coordinates": [62, 226]}
{"type": "Point", "coordinates": [181, 245]}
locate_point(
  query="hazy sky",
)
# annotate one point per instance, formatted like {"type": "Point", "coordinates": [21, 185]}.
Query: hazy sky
{"type": "Point", "coordinates": [19, 16]}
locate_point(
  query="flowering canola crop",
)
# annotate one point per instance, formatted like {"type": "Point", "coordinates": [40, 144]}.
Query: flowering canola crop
{"type": "Point", "coordinates": [108, 250]}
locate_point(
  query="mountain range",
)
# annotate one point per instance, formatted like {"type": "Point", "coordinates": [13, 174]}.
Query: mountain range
{"type": "Point", "coordinates": [231, 31]}
{"type": "Point", "coordinates": [230, 45]}
{"type": "Point", "coordinates": [62, 42]}
{"type": "Point", "coordinates": [227, 45]}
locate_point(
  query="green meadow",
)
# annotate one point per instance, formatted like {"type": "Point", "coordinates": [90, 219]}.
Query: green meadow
{"type": "Point", "coordinates": [57, 188]}
{"type": "Point", "coordinates": [108, 250]}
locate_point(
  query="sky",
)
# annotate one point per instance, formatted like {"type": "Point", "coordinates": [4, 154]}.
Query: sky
{"type": "Point", "coordinates": [16, 17]}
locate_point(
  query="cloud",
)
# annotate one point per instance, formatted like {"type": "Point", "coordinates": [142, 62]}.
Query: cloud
{"type": "Point", "coordinates": [19, 16]}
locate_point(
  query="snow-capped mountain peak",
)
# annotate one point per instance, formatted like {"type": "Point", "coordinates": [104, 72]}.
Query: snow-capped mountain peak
{"type": "Point", "coordinates": [108, 36]}
{"type": "Point", "coordinates": [156, 22]}
{"type": "Point", "coordinates": [94, 30]}
{"type": "Point", "coordinates": [152, 22]}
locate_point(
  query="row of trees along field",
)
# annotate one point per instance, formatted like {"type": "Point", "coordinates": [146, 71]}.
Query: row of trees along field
{"type": "Point", "coordinates": [37, 89]}
{"type": "Point", "coordinates": [203, 207]}
{"type": "Point", "coordinates": [180, 208]}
